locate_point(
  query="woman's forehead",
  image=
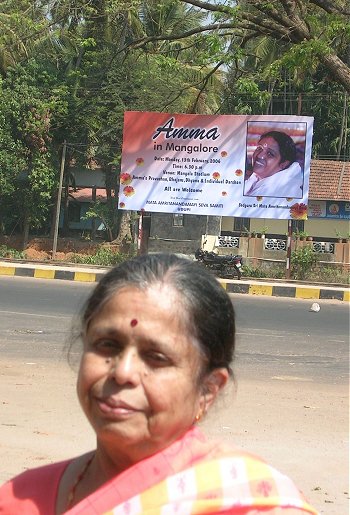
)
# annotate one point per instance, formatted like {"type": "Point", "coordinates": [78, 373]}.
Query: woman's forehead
{"type": "Point", "coordinates": [158, 295]}
{"type": "Point", "coordinates": [268, 142]}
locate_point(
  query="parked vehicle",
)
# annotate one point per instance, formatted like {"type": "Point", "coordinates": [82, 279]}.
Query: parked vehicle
{"type": "Point", "coordinates": [223, 266]}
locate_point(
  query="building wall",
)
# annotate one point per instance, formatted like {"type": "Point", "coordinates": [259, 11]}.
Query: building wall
{"type": "Point", "coordinates": [87, 177]}
{"type": "Point", "coordinates": [317, 227]}
{"type": "Point", "coordinates": [165, 237]}
{"type": "Point", "coordinates": [328, 227]}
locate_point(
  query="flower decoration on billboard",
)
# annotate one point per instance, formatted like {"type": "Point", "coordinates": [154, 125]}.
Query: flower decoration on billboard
{"type": "Point", "coordinates": [298, 211]}
{"type": "Point", "coordinates": [128, 191]}
{"type": "Point", "coordinates": [125, 178]}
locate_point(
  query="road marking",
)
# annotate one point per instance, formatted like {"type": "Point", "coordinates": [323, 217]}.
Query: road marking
{"type": "Point", "coordinates": [32, 314]}
{"type": "Point", "coordinates": [292, 378]}
{"type": "Point", "coordinates": [260, 333]}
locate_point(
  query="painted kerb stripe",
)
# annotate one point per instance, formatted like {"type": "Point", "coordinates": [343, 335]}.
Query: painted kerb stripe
{"type": "Point", "coordinates": [41, 273]}
{"type": "Point", "coordinates": [260, 289]}
{"type": "Point", "coordinates": [307, 293]}
{"type": "Point", "coordinates": [331, 294]}
{"type": "Point", "coordinates": [85, 276]}
{"type": "Point", "coordinates": [7, 270]}
{"type": "Point", "coordinates": [283, 291]}
{"type": "Point", "coordinates": [253, 289]}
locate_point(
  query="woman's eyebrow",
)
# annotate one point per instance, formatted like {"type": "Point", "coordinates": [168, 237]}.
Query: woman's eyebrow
{"type": "Point", "coordinates": [108, 331]}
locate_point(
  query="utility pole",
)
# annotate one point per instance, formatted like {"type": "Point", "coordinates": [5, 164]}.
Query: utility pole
{"type": "Point", "coordinates": [58, 203]}
{"type": "Point", "coordinates": [289, 249]}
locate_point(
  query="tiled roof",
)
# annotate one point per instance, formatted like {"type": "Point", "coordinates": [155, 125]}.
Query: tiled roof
{"type": "Point", "coordinates": [329, 180]}
{"type": "Point", "coordinates": [85, 194]}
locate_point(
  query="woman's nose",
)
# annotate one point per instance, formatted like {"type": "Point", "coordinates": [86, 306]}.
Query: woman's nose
{"type": "Point", "coordinates": [126, 367]}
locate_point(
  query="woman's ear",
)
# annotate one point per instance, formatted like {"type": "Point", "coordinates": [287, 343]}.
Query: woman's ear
{"type": "Point", "coordinates": [213, 382]}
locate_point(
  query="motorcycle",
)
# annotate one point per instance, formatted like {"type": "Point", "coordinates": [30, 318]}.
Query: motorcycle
{"type": "Point", "coordinates": [223, 266]}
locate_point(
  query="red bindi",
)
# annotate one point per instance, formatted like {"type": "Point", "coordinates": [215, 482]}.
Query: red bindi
{"type": "Point", "coordinates": [133, 322]}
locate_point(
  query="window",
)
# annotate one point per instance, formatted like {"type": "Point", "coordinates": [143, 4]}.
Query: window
{"type": "Point", "coordinates": [74, 212]}
{"type": "Point", "coordinates": [241, 224]}
{"type": "Point", "coordinates": [297, 225]}
{"type": "Point", "coordinates": [178, 220]}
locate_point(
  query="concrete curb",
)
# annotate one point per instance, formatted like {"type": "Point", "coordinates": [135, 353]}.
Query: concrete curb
{"type": "Point", "coordinates": [252, 287]}
{"type": "Point", "coordinates": [291, 291]}
{"type": "Point", "coordinates": [42, 272]}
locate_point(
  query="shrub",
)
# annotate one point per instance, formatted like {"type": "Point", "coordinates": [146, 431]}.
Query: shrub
{"type": "Point", "coordinates": [303, 259]}
{"type": "Point", "coordinates": [250, 271]}
{"type": "Point", "coordinates": [104, 256]}
{"type": "Point", "coordinates": [6, 252]}
{"type": "Point", "coordinates": [261, 273]}
{"type": "Point", "coordinates": [329, 274]}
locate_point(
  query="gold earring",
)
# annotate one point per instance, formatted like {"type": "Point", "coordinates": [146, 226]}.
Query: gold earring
{"type": "Point", "coordinates": [198, 417]}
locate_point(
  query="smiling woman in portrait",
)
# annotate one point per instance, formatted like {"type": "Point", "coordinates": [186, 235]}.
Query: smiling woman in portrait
{"type": "Point", "coordinates": [158, 339]}
{"type": "Point", "coordinates": [274, 170]}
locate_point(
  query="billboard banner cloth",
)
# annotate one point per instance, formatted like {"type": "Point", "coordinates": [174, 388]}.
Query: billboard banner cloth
{"type": "Point", "coordinates": [219, 165]}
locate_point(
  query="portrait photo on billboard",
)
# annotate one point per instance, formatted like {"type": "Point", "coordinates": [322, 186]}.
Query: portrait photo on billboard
{"type": "Point", "coordinates": [275, 159]}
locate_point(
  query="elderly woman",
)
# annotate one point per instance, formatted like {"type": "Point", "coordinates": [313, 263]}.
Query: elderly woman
{"type": "Point", "coordinates": [275, 170]}
{"type": "Point", "coordinates": [158, 339]}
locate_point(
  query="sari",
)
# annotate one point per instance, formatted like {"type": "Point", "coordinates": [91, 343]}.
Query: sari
{"type": "Point", "coordinates": [193, 476]}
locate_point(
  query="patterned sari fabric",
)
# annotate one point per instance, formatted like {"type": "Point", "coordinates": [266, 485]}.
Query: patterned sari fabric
{"type": "Point", "coordinates": [192, 477]}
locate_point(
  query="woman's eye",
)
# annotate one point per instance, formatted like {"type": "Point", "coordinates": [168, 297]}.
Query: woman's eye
{"type": "Point", "coordinates": [107, 346]}
{"type": "Point", "coordinates": [157, 358]}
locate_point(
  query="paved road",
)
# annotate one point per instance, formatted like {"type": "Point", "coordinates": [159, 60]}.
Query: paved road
{"type": "Point", "coordinates": [276, 337]}
{"type": "Point", "coordinates": [291, 406]}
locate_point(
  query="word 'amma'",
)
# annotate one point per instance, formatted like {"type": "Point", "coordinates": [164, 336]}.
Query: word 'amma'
{"type": "Point", "coordinates": [185, 133]}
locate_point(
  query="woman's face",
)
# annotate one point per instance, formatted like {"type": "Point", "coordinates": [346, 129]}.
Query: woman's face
{"type": "Point", "coordinates": [267, 158]}
{"type": "Point", "coordinates": [137, 382]}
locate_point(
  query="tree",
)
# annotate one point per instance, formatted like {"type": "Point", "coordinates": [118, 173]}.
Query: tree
{"type": "Point", "coordinates": [316, 32]}
{"type": "Point", "coordinates": [31, 106]}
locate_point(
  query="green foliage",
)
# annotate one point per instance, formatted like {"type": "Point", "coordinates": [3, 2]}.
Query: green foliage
{"type": "Point", "coordinates": [303, 58]}
{"type": "Point", "coordinates": [249, 271]}
{"type": "Point", "coordinates": [261, 273]}
{"type": "Point", "coordinates": [331, 274]}
{"type": "Point", "coordinates": [107, 212]}
{"type": "Point", "coordinates": [300, 234]}
{"type": "Point", "coordinates": [7, 252]}
{"type": "Point", "coordinates": [71, 69]}
{"type": "Point", "coordinates": [303, 260]}
{"type": "Point", "coordinates": [104, 256]}
{"type": "Point", "coordinates": [31, 109]}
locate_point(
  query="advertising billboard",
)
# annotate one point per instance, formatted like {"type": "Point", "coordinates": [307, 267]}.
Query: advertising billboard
{"type": "Point", "coordinates": [221, 165]}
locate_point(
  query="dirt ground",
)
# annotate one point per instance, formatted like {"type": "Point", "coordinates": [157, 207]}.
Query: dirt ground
{"type": "Point", "coordinates": [298, 426]}
{"type": "Point", "coordinates": [40, 249]}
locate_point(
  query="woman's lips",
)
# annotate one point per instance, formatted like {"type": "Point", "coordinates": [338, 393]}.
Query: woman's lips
{"type": "Point", "coordinates": [116, 408]}
{"type": "Point", "coordinates": [259, 162]}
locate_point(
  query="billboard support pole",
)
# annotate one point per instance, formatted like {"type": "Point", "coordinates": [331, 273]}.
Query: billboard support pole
{"type": "Point", "coordinates": [289, 249]}
{"type": "Point", "coordinates": [140, 235]}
